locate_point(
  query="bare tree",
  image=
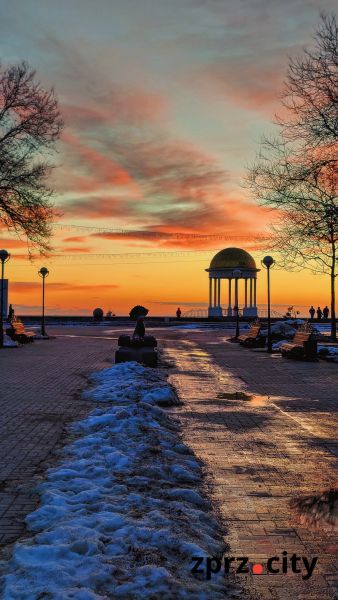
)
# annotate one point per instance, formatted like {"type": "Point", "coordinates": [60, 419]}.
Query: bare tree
{"type": "Point", "coordinates": [304, 191]}
{"type": "Point", "coordinates": [30, 123]}
{"type": "Point", "coordinates": [297, 172]}
{"type": "Point", "coordinates": [311, 91]}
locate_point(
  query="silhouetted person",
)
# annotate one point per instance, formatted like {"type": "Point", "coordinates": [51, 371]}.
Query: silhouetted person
{"type": "Point", "coordinates": [319, 314]}
{"type": "Point", "coordinates": [10, 312]}
{"type": "Point", "coordinates": [178, 313]}
{"type": "Point", "coordinates": [326, 312]}
{"type": "Point", "coordinates": [139, 330]}
{"type": "Point", "coordinates": [312, 312]}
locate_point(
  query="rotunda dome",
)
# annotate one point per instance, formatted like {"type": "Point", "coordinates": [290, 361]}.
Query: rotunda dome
{"type": "Point", "coordinates": [232, 258]}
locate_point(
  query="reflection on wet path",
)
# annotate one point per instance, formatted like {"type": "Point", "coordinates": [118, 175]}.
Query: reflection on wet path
{"type": "Point", "coordinates": [264, 428]}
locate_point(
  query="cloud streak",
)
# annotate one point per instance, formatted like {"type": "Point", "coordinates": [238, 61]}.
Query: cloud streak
{"type": "Point", "coordinates": [124, 161]}
{"type": "Point", "coordinates": [59, 287]}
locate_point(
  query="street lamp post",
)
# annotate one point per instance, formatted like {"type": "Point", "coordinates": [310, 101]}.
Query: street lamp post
{"type": "Point", "coordinates": [43, 273]}
{"type": "Point", "coordinates": [236, 274]}
{"type": "Point", "coordinates": [4, 257]}
{"type": "Point", "coordinates": [268, 262]}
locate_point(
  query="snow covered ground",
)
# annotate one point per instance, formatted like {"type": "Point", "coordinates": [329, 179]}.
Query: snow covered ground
{"type": "Point", "coordinates": [328, 350]}
{"type": "Point", "coordinates": [324, 328]}
{"type": "Point", "coordinates": [121, 516]}
{"type": "Point", "coordinates": [322, 350]}
{"type": "Point", "coordinates": [8, 343]}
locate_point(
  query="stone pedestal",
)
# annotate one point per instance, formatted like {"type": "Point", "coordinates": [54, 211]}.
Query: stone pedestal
{"type": "Point", "coordinates": [141, 350]}
{"type": "Point", "coordinates": [143, 355]}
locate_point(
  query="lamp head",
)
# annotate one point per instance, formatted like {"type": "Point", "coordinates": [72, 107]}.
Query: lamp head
{"type": "Point", "coordinates": [43, 272]}
{"type": "Point", "coordinates": [268, 261]}
{"type": "Point", "coordinates": [4, 256]}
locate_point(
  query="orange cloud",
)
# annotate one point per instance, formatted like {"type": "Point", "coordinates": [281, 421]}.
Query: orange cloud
{"type": "Point", "coordinates": [77, 238]}
{"type": "Point", "coordinates": [32, 286]}
{"type": "Point", "coordinates": [144, 175]}
{"type": "Point", "coordinates": [103, 169]}
{"type": "Point", "coordinates": [120, 104]}
{"type": "Point", "coordinates": [98, 207]}
{"type": "Point", "coordinates": [249, 81]}
{"type": "Point", "coordinates": [12, 243]}
{"type": "Point", "coordinates": [75, 249]}
{"type": "Point", "coordinates": [237, 221]}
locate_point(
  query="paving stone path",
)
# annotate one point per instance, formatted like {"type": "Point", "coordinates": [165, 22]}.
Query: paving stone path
{"type": "Point", "coordinates": [40, 387]}
{"type": "Point", "coordinates": [257, 453]}
{"type": "Point", "coordinates": [260, 453]}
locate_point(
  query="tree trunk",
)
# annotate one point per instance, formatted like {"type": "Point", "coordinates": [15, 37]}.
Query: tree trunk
{"type": "Point", "coordinates": [333, 300]}
{"type": "Point", "coordinates": [333, 303]}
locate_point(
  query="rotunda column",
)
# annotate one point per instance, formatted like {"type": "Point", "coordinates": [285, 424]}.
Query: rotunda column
{"type": "Point", "coordinates": [236, 292]}
{"type": "Point", "coordinates": [250, 292]}
{"type": "Point", "coordinates": [210, 292]}
{"type": "Point", "coordinates": [229, 301]}
{"type": "Point", "coordinates": [219, 293]}
{"type": "Point", "coordinates": [215, 294]}
{"type": "Point", "coordinates": [245, 292]}
{"type": "Point", "coordinates": [255, 289]}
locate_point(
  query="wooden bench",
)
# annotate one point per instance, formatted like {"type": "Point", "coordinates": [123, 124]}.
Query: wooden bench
{"type": "Point", "coordinates": [18, 333]}
{"type": "Point", "coordinates": [251, 338]}
{"type": "Point", "coordinates": [302, 346]}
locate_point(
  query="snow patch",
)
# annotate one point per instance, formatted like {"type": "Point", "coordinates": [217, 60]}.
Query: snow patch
{"type": "Point", "coordinates": [327, 350]}
{"type": "Point", "coordinates": [121, 516]}
{"type": "Point", "coordinates": [277, 345]}
{"type": "Point", "coordinates": [9, 343]}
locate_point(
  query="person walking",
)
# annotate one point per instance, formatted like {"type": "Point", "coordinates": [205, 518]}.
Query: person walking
{"type": "Point", "coordinates": [178, 313]}
{"type": "Point", "coordinates": [319, 314]}
{"type": "Point", "coordinates": [312, 312]}
{"type": "Point", "coordinates": [326, 312]}
{"type": "Point", "coordinates": [10, 313]}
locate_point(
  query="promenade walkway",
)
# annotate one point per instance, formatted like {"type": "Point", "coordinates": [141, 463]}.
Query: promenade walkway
{"type": "Point", "coordinates": [258, 453]}
{"type": "Point", "coordinates": [40, 392]}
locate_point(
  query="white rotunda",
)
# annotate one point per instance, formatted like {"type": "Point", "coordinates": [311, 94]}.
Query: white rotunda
{"type": "Point", "coordinates": [233, 264]}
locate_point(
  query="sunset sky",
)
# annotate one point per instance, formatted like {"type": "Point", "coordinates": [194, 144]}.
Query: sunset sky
{"type": "Point", "coordinates": [164, 103]}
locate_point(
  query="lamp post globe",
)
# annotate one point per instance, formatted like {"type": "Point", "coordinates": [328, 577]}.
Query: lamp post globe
{"type": "Point", "coordinates": [4, 257]}
{"type": "Point", "coordinates": [43, 273]}
{"type": "Point", "coordinates": [236, 274]}
{"type": "Point", "coordinates": [269, 262]}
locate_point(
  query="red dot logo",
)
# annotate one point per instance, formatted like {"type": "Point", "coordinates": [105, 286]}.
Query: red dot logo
{"type": "Point", "coordinates": [257, 569]}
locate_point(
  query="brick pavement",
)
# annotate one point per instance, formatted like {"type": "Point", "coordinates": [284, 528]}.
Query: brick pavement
{"type": "Point", "coordinates": [257, 454]}
{"type": "Point", "coordinates": [40, 395]}
{"type": "Point", "coordinates": [260, 453]}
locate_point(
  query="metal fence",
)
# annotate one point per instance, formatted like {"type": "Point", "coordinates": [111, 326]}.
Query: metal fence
{"type": "Point", "coordinates": [202, 313]}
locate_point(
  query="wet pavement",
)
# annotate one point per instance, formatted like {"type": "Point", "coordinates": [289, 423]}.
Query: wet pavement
{"type": "Point", "coordinates": [265, 428]}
